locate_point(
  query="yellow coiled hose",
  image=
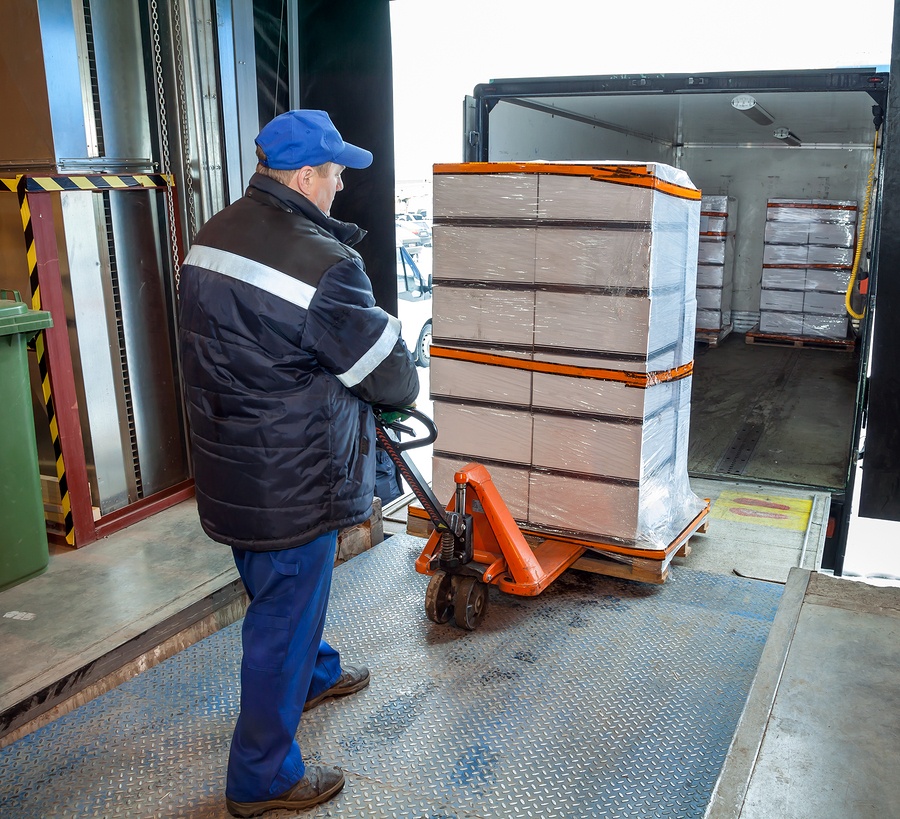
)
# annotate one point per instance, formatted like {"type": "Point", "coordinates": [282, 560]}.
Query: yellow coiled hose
{"type": "Point", "coordinates": [862, 233]}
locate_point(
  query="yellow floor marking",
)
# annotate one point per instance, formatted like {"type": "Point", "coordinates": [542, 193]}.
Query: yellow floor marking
{"type": "Point", "coordinates": [766, 510]}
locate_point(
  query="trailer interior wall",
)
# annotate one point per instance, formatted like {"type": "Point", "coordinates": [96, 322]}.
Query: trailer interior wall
{"type": "Point", "coordinates": [524, 135]}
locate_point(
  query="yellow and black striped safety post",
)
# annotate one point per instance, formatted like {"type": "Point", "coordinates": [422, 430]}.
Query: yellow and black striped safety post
{"type": "Point", "coordinates": [41, 352]}
{"type": "Point", "coordinates": [97, 182]}
{"type": "Point", "coordinates": [22, 185]}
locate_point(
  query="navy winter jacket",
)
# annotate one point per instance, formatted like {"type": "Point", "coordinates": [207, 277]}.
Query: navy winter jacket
{"type": "Point", "coordinates": [283, 351]}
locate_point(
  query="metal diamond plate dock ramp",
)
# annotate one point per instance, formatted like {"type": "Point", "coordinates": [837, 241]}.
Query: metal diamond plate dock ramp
{"type": "Point", "coordinates": [600, 698]}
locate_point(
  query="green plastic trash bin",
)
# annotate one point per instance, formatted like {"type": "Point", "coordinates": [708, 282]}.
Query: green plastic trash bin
{"type": "Point", "coordinates": [23, 533]}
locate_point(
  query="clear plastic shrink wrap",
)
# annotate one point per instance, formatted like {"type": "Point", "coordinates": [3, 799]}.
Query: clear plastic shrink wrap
{"type": "Point", "coordinates": [807, 261]}
{"type": "Point", "coordinates": [835, 211]}
{"type": "Point", "coordinates": [715, 262]}
{"type": "Point", "coordinates": [557, 348]}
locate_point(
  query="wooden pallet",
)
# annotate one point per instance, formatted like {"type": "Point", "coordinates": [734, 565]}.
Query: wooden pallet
{"type": "Point", "coordinates": [808, 342]}
{"type": "Point", "coordinates": [712, 338]}
{"type": "Point", "coordinates": [612, 560]}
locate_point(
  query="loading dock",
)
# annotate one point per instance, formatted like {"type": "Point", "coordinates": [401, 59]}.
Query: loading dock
{"type": "Point", "coordinates": [154, 599]}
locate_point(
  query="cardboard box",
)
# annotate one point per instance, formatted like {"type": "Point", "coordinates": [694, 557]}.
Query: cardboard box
{"type": "Point", "coordinates": [495, 433]}
{"type": "Point", "coordinates": [714, 298]}
{"type": "Point", "coordinates": [710, 275]}
{"type": "Point", "coordinates": [563, 197]}
{"type": "Point", "coordinates": [602, 257]}
{"type": "Point", "coordinates": [781, 300]}
{"type": "Point", "coordinates": [483, 254]}
{"type": "Point", "coordinates": [597, 397]}
{"type": "Point", "coordinates": [483, 314]}
{"type": "Point", "coordinates": [828, 281]}
{"type": "Point", "coordinates": [604, 509]}
{"type": "Point", "coordinates": [717, 205]}
{"type": "Point", "coordinates": [784, 324]}
{"type": "Point", "coordinates": [784, 278]}
{"type": "Point", "coordinates": [787, 233]}
{"type": "Point", "coordinates": [836, 235]}
{"type": "Point", "coordinates": [583, 445]}
{"type": "Point", "coordinates": [480, 382]}
{"type": "Point", "coordinates": [495, 196]}
{"type": "Point", "coordinates": [711, 251]}
{"type": "Point", "coordinates": [842, 256]}
{"type": "Point", "coordinates": [713, 225]}
{"type": "Point", "coordinates": [631, 325]}
{"type": "Point", "coordinates": [511, 482]}
{"type": "Point", "coordinates": [785, 255]}
{"type": "Point", "coordinates": [826, 326]}
{"type": "Point", "coordinates": [713, 320]}
{"type": "Point", "coordinates": [824, 304]}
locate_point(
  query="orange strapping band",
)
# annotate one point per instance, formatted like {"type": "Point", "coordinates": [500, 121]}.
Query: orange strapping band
{"type": "Point", "coordinates": [810, 206]}
{"type": "Point", "coordinates": [634, 175]}
{"type": "Point", "coordinates": [630, 379]}
{"type": "Point", "coordinates": [808, 266]}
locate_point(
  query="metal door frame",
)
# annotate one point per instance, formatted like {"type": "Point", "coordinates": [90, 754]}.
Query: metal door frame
{"type": "Point", "coordinates": [54, 353]}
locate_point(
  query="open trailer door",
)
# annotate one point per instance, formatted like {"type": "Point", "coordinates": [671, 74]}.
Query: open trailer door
{"type": "Point", "coordinates": [880, 492]}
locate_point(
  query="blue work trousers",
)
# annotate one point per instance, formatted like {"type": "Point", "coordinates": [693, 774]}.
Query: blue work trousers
{"type": "Point", "coordinates": [285, 662]}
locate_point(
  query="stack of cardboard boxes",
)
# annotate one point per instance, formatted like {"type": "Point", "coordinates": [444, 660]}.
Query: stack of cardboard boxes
{"type": "Point", "coordinates": [715, 264]}
{"type": "Point", "coordinates": [564, 318]}
{"type": "Point", "coordinates": [807, 262]}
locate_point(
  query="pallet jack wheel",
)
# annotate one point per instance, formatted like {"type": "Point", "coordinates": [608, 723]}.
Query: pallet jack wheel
{"type": "Point", "coordinates": [439, 598]}
{"type": "Point", "coordinates": [471, 603]}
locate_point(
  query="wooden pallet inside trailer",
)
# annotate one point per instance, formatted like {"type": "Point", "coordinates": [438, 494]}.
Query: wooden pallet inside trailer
{"type": "Point", "coordinates": [613, 560]}
{"type": "Point", "coordinates": [808, 342]}
{"type": "Point", "coordinates": [712, 338]}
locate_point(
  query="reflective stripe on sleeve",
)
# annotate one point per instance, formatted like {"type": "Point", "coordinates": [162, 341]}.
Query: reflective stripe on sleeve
{"type": "Point", "coordinates": [253, 273]}
{"type": "Point", "coordinates": [377, 353]}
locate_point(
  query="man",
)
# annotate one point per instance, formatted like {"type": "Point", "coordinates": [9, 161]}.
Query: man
{"type": "Point", "coordinates": [283, 353]}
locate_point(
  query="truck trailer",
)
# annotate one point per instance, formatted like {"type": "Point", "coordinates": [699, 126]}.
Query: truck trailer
{"type": "Point", "coordinates": [782, 408]}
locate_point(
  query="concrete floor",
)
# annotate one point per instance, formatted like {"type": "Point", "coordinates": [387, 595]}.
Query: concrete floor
{"type": "Point", "coordinates": [103, 613]}
{"type": "Point", "coordinates": [819, 734]}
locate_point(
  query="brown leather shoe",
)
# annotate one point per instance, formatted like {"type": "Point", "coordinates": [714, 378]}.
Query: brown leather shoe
{"type": "Point", "coordinates": [353, 678]}
{"type": "Point", "coordinates": [319, 784]}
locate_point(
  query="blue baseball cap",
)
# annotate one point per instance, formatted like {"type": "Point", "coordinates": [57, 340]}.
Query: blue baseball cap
{"type": "Point", "coordinates": [307, 137]}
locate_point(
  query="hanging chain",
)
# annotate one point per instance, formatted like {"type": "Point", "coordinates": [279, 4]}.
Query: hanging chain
{"type": "Point", "coordinates": [278, 58]}
{"type": "Point", "coordinates": [164, 138]}
{"type": "Point", "coordinates": [185, 133]}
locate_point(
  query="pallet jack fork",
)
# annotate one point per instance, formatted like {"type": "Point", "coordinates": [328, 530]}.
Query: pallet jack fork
{"type": "Point", "coordinates": [476, 541]}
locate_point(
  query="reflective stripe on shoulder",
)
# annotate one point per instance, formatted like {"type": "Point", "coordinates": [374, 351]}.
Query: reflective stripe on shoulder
{"type": "Point", "coordinates": [377, 353]}
{"type": "Point", "coordinates": [253, 273]}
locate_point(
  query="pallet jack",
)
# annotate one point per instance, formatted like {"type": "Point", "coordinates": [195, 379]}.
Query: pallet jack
{"type": "Point", "coordinates": [476, 541]}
